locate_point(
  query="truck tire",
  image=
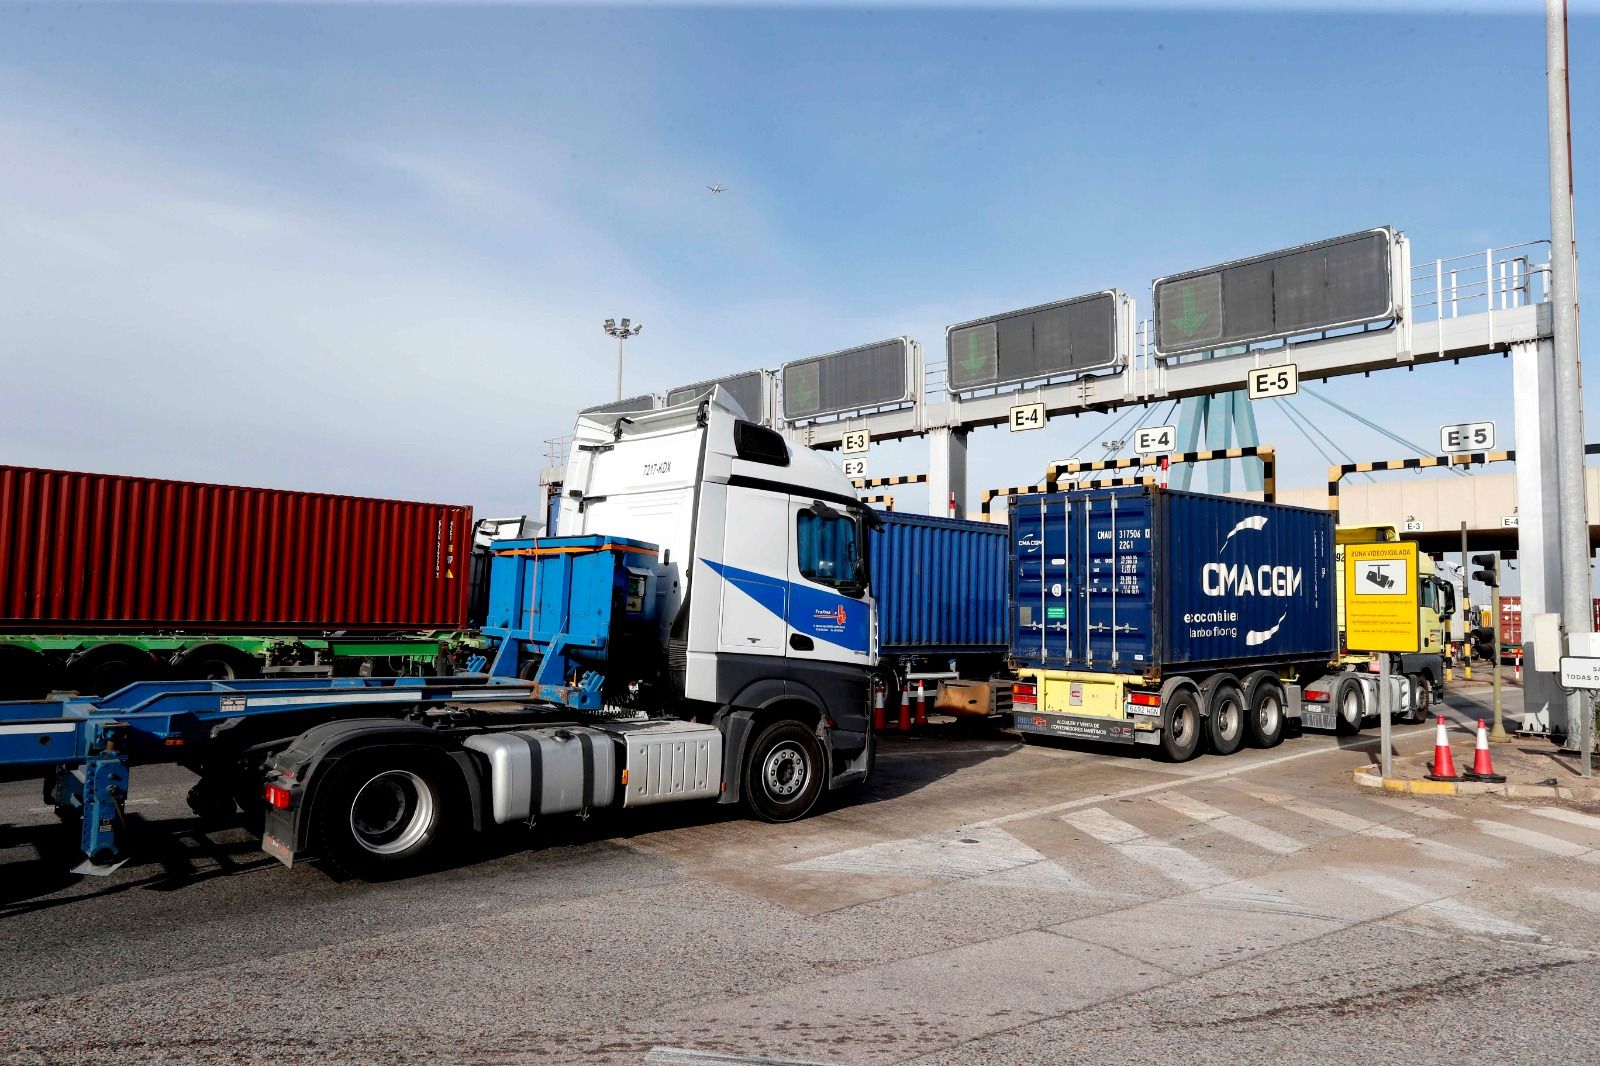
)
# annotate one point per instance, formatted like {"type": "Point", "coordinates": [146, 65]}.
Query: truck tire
{"type": "Point", "coordinates": [1264, 701]}
{"type": "Point", "coordinates": [783, 772]}
{"type": "Point", "coordinates": [1349, 703]}
{"type": "Point", "coordinates": [216, 662]}
{"type": "Point", "coordinates": [1225, 714]}
{"type": "Point", "coordinates": [1180, 725]}
{"type": "Point", "coordinates": [1421, 698]}
{"type": "Point", "coordinates": [105, 668]}
{"type": "Point", "coordinates": [385, 814]}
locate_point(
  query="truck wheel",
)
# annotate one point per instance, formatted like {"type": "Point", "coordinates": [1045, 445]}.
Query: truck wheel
{"type": "Point", "coordinates": [383, 815]}
{"type": "Point", "coordinates": [1264, 700]}
{"type": "Point", "coordinates": [216, 662]}
{"type": "Point", "coordinates": [1421, 697]}
{"type": "Point", "coordinates": [1180, 726]}
{"type": "Point", "coordinates": [1350, 705]}
{"type": "Point", "coordinates": [783, 773]}
{"type": "Point", "coordinates": [105, 668]}
{"type": "Point", "coordinates": [1225, 714]}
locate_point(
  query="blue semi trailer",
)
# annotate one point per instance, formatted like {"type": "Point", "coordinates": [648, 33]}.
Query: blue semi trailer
{"type": "Point", "coordinates": [943, 615]}
{"type": "Point", "coordinates": [702, 629]}
{"type": "Point", "coordinates": [1173, 619]}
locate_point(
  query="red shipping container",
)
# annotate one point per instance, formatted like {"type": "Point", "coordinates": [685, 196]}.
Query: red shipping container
{"type": "Point", "coordinates": [101, 551]}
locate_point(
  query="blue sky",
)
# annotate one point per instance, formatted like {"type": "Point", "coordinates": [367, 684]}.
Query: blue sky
{"type": "Point", "coordinates": [368, 249]}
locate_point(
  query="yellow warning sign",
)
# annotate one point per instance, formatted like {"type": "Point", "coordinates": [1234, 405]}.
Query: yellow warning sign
{"type": "Point", "coordinates": [1380, 597]}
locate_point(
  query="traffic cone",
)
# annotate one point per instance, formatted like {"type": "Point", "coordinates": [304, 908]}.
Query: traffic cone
{"type": "Point", "coordinates": [877, 709]}
{"type": "Point", "coordinates": [1482, 766]}
{"type": "Point", "coordinates": [922, 705]}
{"type": "Point", "coordinates": [905, 711]}
{"type": "Point", "coordinates": [1444, 767]}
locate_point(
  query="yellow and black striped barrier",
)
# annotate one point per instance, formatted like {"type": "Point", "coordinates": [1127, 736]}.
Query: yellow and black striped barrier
{"type": "Point", "coordinates": [1337, 474]}
{"type": "Point", "coordinates": [888, 482]}
{"type": "Point", "coordinates": [990, 495]}
{"type": "Point", "coordinates": [887, 502]}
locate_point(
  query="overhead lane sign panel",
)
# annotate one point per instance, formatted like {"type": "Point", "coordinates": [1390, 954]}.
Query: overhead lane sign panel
{"type": "Point", "coordinates": [856, 379]}
{"type": "Point", "coordinates": [629, 406]}
{"type": "Point", "coordinates": [1067, 337]}
{"type": "Point", "coordinates": [1344, 281]}
{"type": "Point", "coordinates": [749, 390]}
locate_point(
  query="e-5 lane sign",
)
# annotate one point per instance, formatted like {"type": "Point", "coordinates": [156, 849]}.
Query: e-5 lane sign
{"type": "Point", "coordinates": [1051, 340]}
{"type": "Point", "coordinates": [1344, 281]}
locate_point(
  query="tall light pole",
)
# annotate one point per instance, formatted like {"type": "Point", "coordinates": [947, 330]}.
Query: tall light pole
{"type": "Point", "coordinates": [622, 332]}
{"type": "Point", "coordinates": [1574, 519]}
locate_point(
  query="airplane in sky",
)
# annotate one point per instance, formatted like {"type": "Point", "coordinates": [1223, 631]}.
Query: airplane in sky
{"type": "Point", "coordinates": [717, 188]}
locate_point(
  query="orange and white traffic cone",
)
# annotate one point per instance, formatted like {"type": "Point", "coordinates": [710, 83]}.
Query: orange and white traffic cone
{"type": "Point", "coordinates": [1444, 767]}
{"type": "Point", "coordinates": [905, 711]}
{"type": "Point", "coordinates": [1482, 765]}
{"type": "Point", "coordinates": [877, 708]}
{"type": "Point", "coordinates": [922, 705]}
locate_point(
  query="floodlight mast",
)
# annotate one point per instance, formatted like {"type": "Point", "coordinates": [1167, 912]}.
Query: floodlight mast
{"type": "Point", "coordinates": [622, 332]}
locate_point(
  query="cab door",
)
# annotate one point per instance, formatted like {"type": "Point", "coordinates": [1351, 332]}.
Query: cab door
{"type": "Point", "coordinates": [830, 612]}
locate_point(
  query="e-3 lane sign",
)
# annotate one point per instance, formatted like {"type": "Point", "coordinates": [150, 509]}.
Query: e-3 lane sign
{"type": "Point", "coordinates": [872, 375]}
{"type": "Point", "coordinates": [1345, 281]}
{"type": "Point", "coordinates": [1065, 337]}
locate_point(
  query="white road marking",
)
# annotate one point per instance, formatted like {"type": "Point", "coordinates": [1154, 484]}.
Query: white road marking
{"type": "Point", "coordinates": [1534, 839]}
{"type": "Point", "coordinates": [985, 853]}
{"type": "Point", "coordinates": [1415, 897]}
{"type": "Point", "coordinates": [1243, 767]}
{"type": "Point", "coordinates": [1169, 861]}
{"type": "Point", "coordinates": [1421, 810]}
{"type": "Point", "coordinates": [1561, 814]}
{"type": "Point", "coordinates": [684, 1056]}
{"type": "Point", "coordinates": [1231, 824]}
{"type": "Point", "coordinates": [1359, 826]}
{"type": "Point", "coordinates": [1583, 898]}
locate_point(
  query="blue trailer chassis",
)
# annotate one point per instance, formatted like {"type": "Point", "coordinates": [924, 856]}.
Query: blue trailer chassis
{"type": "Point", "coordinates": [88, 744]}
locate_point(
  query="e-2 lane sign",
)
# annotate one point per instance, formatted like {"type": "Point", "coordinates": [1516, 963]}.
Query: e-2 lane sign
{"type": "Point", "coordinates": [1344, 281]}
{"type": "Point", "coordinates": [1066, 337]}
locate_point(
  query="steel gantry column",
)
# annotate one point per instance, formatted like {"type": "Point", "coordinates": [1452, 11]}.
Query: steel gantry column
{"type": "Point", "coordinates": [947, 472]}
{"type": "Point", "coordinates": [1533, 399]}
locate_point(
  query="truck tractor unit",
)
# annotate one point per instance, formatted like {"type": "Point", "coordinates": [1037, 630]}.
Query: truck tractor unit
{"type": "Point", "coordinates": [702, 628]}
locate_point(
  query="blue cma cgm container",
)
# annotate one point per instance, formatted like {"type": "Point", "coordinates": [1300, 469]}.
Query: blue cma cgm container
{"type": "Point", "coordinates": [1142, 580]}
{"type": "Point", "coordinates": [940, 585]}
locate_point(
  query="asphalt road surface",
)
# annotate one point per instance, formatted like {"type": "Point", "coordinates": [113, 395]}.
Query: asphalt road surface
{"type": "Point", "coordinates": [981, 902]}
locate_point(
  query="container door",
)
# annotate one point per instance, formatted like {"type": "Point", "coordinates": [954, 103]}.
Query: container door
{"type": "Point", "coordinates": [1042, 560]}
{"type": "Point", "coordinates": [1117, 580]}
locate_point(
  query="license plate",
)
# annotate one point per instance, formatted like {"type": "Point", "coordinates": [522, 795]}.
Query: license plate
{"type": "Point", "coordinates": [1059, 725]}
{"type": "Point", "coordinates": [1318, 719]}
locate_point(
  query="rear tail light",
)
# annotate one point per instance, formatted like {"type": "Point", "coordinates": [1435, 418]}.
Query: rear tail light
{"type": "Point", "coordinates": [1316, 697]}
{"type": "Point", "coordinates": [1024, 694]}
{"type": "Point", "coordinates": [278, 796]}
{"type": "Point", "coordinates": [1145, 699]}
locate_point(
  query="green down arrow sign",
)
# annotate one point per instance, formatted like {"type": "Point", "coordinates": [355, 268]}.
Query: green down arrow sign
{"type": "Point", "coordinates": [1192, 318]}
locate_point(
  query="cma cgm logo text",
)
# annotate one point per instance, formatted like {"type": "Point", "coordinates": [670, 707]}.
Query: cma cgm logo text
{"type": "Point", "coordinates": [1031, 543]}
{"type": "Point", "coordinates": [1231, 579]}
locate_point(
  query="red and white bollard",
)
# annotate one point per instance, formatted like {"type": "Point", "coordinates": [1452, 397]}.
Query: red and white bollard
{"type": "Point", "coordinates": [952, 505]}
{"type": "Point", "coordinates": [922, 705]}
{"type": "Point", "coordinates": [1519, 668]}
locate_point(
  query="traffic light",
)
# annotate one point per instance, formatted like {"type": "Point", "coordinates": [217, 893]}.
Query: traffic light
{"type": "Point", "coordinates": [1490, 572]}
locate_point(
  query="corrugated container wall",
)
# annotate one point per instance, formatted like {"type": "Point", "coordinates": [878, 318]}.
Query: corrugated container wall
{"type": "Point", "coordinates": [940, 585]}
{"type": "Point", "coordinates": [1137, 580]}
{"type": "Point", "coordinates": [99, 551]}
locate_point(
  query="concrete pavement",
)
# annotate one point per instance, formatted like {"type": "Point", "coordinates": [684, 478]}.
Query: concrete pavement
{"type": "Point", "coordinates": [981, 901]}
